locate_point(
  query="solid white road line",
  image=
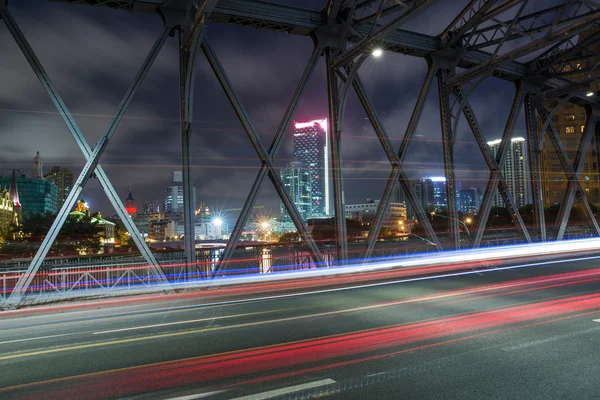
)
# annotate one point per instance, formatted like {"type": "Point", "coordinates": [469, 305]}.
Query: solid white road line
{"type": "Point", "coordinates": [196, 396]}
{"type": "Point", "coordinates": [290, 389]}
{"type": "Point", "coordinates": [178, 323]}
{"type": "Point", "coordinates": [36, 338]}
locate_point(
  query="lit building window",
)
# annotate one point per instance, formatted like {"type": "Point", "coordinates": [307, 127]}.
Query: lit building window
{"type": "Point", "coordinates": [570, 117]}
{"type": "Point", "coordinates": [570, 129]}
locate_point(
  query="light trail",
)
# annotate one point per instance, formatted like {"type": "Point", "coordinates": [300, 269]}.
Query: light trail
{"type": "Point", "coordinates": [423, 261]}
{"type": "Point", "coordinates": [206, 369]}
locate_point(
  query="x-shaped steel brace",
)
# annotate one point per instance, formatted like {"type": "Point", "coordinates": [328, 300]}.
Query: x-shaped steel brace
{"type": "Point", "coordinates": [91, 166]}
{"type": "Point", "coordinates": [264, 155]}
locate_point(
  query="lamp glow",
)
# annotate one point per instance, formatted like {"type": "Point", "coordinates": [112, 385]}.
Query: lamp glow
{"type": "Point", "coordinates": [377, 52]}
{"type": "Point", "coordinates": [217, 221]}
{"type": "Point", "coordinates": [589, 94]}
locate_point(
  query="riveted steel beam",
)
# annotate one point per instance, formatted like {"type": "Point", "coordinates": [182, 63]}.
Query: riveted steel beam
{"type": "Point", "coordinates": [334, 132]}
{"type": "Point", "coordinates": [535, 177]}
{"type": "Point", "coordinates": [448, 140]}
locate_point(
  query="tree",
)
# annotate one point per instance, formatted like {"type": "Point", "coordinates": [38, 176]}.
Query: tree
{"type": "Point", "coordinates": [37, 225]}
{"type": "Point", "coordinates": [289, 237]}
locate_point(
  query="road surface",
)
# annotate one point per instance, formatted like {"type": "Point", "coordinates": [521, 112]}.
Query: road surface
{"type": "Point", "coordinates": [522, 331]}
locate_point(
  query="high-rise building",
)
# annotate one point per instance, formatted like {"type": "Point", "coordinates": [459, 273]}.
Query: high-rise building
{"type": "Point", "coordinates": [37, 167]}
{"type": "Point", "coordinates": [470, 200]}
{"type": "Point", "coordinates": [174, 195]}
{"type": "Point", "coordinates": [440, 194]}
{"type": "Point", "coordinates": [311, 147]}
{"type": "Point", "coordinates": [64, 179]}
{"type": "Point", "coordinates": [36, 196]}
{"type": "Point", "coordinates": [515, 171]}
{"type": "Point", "coordinates": [297, 183]}
{"type": "Point", "coordinates": [569, 122]}
{"type": "Point", "coordinates": [130, 205]}
{"type": "Point", "coordinates": [152, 208]}
{"type": "Point", "coordinates": [424, 190]}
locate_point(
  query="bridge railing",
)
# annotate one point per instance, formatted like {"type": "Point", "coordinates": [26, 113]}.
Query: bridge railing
{"type": "Point", "coordinates": [116, 274]}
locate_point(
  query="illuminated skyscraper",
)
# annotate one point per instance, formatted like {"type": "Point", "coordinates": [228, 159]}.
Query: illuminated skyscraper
{"type": "Point", "coordinates": [440, 194]}
{"type": "Point", "coordinates": [310, 148]}
{"type": "Point", "coordinates": [174, 195]}
{"type": "Point", "coordinates": [514, 170]}
{"type": "Point", "coordinates": [296, 181]}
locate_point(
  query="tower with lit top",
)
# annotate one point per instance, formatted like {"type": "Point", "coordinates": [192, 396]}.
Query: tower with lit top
{"type": "Point", "coordinates": [310, 148]}
{"type": "Point", "coordinates": [130, 205]}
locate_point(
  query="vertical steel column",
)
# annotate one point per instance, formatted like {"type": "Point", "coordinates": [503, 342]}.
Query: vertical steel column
{"type": "Point", "coordinates": [336, 161]}
{"type": "Point", "coordinates": [533, 151]}
{"type": "Point", "coordinates": [69, 121]}
{"type": "Point", "coordinates": [283, 126]}
{"type": "Point", "coordinates": [573, 179]}
{"type": "Point", "coordinates": [187, 74]}
{"type": "Point", "coordinates": [262, 153]}
{"type": "Point", "coordinates": [24, 281]}
{"type": "Point", "coordinates": [448, 138]}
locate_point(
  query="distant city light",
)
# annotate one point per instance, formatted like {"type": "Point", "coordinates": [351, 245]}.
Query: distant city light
{"type": "Point", "coordinates": [377, 52]}
{"type": "Point", "coordinates": [437, 179]}
{"type": "Point", "coordinates": [264, 225]}
{"type": "Point", "coordinates": [217, 221]}
{"type": "Point", "coordinates": [589, 94]}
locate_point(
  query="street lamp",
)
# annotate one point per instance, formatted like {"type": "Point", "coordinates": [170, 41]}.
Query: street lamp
{"type": "Point", "coordinates": [468, 220]}
{"type": "Point", "coordinates": [455, 219]}
{"type": "Point", "coordinates": [217, 221]}
{"type": "Point", "coordinates": [377, 52]}
{"type": "Point", "coordinates": [588, 94]}
{"type": "Point", "coordinates": [264, 225]}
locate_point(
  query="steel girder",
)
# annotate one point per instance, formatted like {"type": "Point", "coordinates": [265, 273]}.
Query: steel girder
{"type": "Point", "coordinates": [261, 14]}
{"type": "Point", "coordinates": [334, 132]}
{"type": "Point", "coordinates": [411, 9]}
{"type": "Point", "coordinates": [229, 250]}
{"type": "Point", "coordinates": [572, 178]}
{"type": "Point", "coordinates": [549, 39]}
{"type": "Point", "coordinates": [471, 16]}
{"type": "Point", "coordinates": [262, 153]}
{"type": "Point", "coordinates": [527, 26]}
{"type": "Point", "coordinates": [495, 165]}
{"type": "Point", "coordinates": [576, 169]}
{"type": "Point", "coordinates": [534, 152]}
{"type": "Point", "coordinates": [91, 168]}
{"type": "Point", "coordinates": [190, 36]}
{"type": "Point", "coordinates": [448, 140]}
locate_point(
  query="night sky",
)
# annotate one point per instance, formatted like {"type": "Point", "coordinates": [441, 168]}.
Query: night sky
{"type": "Point", "coordinates": [92, 55]}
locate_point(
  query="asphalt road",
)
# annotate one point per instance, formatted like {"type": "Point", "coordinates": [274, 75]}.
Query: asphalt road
{"type": "Point", "coordinates": [514, 333]}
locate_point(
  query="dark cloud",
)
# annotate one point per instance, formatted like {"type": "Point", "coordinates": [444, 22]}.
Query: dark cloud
{"type": "Point", "coordinates": [92, 55]}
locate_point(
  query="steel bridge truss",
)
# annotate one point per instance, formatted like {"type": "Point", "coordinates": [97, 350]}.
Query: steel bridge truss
{"type": "Point", "coordinates": [551, 60]}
